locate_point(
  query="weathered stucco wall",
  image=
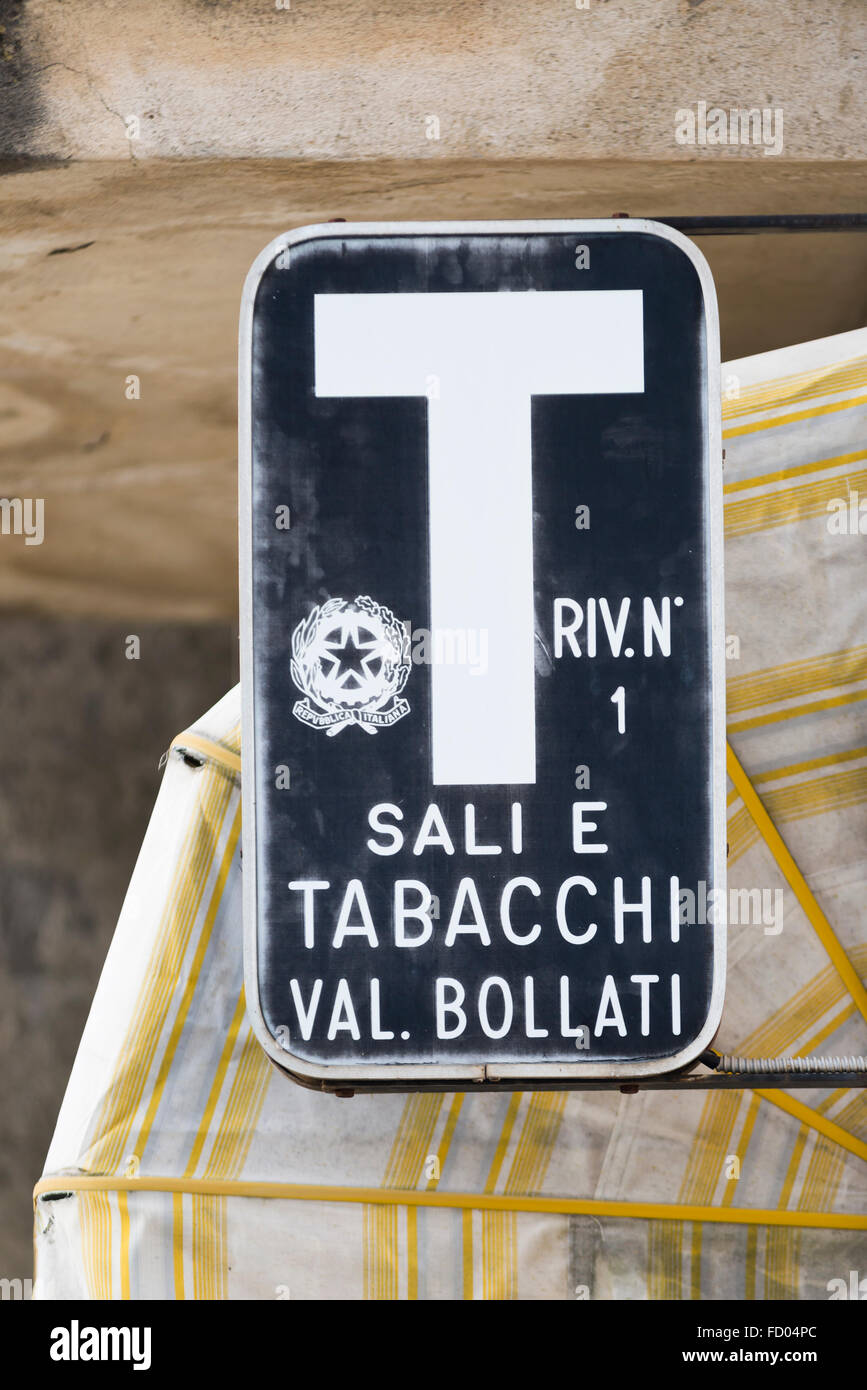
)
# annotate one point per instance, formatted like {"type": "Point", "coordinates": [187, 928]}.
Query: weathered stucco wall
{"type": "Point", "coordinates": [354, 79]}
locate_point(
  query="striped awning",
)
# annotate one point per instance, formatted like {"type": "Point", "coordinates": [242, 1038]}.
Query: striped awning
{"type": "Point", "coordinates": [183, 1166]}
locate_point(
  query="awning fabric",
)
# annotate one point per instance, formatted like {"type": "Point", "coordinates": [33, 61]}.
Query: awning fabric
{"type": "Point", "coordinates": [184, 1166]}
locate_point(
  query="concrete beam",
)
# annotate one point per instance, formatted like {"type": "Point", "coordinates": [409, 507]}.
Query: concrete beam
{"type": "Point", "coordinates": [111, 270]}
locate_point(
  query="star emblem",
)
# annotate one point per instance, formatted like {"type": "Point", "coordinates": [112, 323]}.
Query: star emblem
{"type": "Point", "coordinates": [354, 661]}
{"type": "Point", "coordinates": [350, 662]}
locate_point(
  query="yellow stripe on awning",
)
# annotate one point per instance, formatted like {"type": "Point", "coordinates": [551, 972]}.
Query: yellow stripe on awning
{"type": "Point", "coordinates": [460, 1201]}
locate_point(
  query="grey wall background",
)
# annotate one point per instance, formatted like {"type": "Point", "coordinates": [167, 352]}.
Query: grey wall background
{"type": "Point", "coordinates": [81, 734]}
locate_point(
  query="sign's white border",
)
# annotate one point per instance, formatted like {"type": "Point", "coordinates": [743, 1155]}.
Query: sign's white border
{"type": "Point", "coordinates": [456, 1072]}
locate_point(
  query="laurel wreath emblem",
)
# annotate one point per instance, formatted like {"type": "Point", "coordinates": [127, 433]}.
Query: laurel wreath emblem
{"type": "Point", "coordinates": [307, 673]}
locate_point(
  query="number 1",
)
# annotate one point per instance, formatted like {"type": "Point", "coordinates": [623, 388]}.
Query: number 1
{"type": "Point", "coordinates": [619, 699]}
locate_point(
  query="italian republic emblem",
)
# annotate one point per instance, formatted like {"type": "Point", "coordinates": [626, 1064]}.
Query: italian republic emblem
{"type": "Point", "coordinates": [351, 661]}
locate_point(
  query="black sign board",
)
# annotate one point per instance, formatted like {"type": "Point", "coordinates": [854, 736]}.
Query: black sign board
{"type": "Point", "coordinates": [481, 601]}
